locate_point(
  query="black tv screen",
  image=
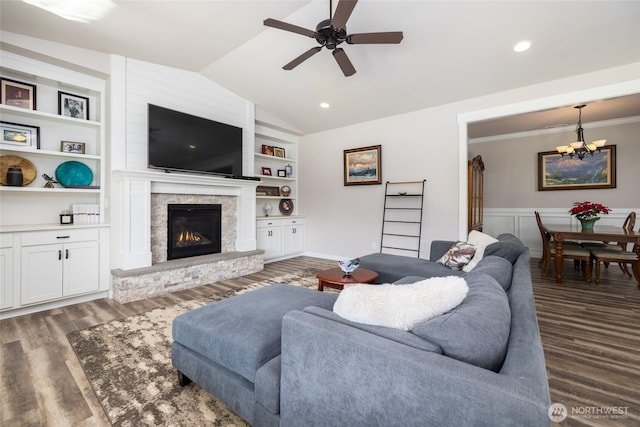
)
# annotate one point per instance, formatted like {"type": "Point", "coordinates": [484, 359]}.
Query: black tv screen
{"type": "Point", "coordinates": [183, 142]}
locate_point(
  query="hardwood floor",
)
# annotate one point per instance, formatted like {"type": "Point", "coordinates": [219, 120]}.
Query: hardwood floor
{"type": "Point", "coordinates": [589, 333]}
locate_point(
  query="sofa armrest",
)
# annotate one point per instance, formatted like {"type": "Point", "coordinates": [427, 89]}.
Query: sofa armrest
{"type": "Point", "coordinates": [439, 248]}
{"type": "Point", "coordinates": [333, 374]}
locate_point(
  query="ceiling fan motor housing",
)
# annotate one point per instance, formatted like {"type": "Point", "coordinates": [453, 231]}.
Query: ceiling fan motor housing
{"type": "Point", "coordinates": [329, 36]}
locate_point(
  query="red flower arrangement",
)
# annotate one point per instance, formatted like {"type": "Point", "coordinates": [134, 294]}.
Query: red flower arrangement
{"type": "Point", "coordinates": [588, 210]}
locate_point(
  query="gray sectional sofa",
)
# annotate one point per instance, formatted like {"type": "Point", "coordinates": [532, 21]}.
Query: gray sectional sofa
{"type": "Point", "coordinates": [280, 356]}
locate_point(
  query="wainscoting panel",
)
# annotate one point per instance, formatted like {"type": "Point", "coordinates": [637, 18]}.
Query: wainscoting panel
{"type": "Point", "coordinates": [521, 222]}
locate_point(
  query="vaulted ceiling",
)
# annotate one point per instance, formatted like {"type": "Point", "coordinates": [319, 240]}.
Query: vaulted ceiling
{"type": "Point", "coordinates": [451, 51]}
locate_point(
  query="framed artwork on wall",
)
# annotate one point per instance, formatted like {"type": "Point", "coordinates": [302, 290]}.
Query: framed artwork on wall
{"type": "Point", "coordinates": [556, 172]}
{"type": "Point", "coordinates": [362, 166]}
{"type": "Point", "coordinates": [71, 105]}
{"type": "Point", "coordinates": [18, 94]}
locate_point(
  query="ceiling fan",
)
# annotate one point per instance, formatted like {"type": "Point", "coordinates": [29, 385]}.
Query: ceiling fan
{"type": "Point", "coordinates": [332, 32]}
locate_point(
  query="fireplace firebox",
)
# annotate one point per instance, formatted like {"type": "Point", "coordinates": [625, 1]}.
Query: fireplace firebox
{"type": "Point", "coordinates": [193, 230]}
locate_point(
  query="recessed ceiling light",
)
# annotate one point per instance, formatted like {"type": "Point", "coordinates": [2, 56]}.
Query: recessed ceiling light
{"type": "Point", "coordinates": [522, 46]}
{"type": "Point", "coordinates": [324, 105]}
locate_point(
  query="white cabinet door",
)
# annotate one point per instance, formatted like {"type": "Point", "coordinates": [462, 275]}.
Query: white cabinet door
{"type": "Point", "coordinates": [41, 273]}
{"type": "Point", "coordinates": [269, 239]}
{"type": "Point", "coordinates": [6, 278]}
{"type": "Point", "coordinates": [292, 239]}
{"type": "Point", "coordinates": [81, 270]}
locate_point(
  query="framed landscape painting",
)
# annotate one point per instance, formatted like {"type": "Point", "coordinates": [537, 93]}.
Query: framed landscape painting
{"type": "Point", "coordinates": [565, 173]}
{"type": "Point", "coordinates": [362, 166]}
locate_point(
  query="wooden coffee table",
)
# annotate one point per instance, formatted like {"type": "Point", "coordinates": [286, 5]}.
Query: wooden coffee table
{"type": "Point", "coordinates": [335, 278]}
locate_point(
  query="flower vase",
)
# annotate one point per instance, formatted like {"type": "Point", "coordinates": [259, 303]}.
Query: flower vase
{"type": "Point", "coordinates": [587, 224]}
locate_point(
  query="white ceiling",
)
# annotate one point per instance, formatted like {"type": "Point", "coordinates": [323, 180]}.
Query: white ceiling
{"type": "Point", "coordinates": [451, 51]}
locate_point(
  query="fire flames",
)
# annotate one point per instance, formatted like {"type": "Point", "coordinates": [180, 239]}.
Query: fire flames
{"type": "Point", "coordinates": [188, 237]}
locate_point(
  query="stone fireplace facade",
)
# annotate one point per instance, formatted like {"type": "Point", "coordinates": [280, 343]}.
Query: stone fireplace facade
{"type": "Point", "coordinates": [141, 269]}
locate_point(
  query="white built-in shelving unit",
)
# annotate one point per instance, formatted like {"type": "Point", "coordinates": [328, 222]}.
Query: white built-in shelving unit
{"type": "Point", "coordinates": [46, 264]}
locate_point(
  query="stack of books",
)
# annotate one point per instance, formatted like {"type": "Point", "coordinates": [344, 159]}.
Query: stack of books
{"type": "Point", "coordinates": [84, 213]}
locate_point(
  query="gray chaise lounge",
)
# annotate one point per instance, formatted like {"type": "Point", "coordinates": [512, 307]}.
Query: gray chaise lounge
{"type": "Point", "coordinates": [280, 356]}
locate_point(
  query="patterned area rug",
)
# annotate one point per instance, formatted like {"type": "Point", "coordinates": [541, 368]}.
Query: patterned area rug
{"type": "Point", "coordinates": [128, 363]}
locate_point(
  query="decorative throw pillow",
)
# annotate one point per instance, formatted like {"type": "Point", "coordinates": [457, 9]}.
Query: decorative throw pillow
{"type": "Point", "coordinates": [458, 255]}
{"type": "Point", "coordinates": [480, 241]}
{"type": "Point", "coordinates": [400, 306]}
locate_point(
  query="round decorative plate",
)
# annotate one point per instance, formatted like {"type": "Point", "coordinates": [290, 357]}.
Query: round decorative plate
{"type": "Point", "coordinates": [29, 171]}
{"type": "Point", "coordinates": [74, 174]}
{"type": "Point", "coordinates": [286, 206]}
{"type": "Point", "coordinates": [285, 190]}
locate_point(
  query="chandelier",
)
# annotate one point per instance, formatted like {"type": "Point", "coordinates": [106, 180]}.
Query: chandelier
{"type": "Point", "coordinates": [581, 148]}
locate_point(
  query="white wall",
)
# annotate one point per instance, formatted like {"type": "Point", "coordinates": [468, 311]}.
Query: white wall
{"type": "Point", "coordinates": [346, 221]}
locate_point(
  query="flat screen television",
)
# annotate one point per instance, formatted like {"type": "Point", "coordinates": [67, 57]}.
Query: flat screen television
{"type": "Point", "coordinates": [183, 142]}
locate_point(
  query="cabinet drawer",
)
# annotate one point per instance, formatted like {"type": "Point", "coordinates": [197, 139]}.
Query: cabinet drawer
{"type": "Point", "coordinates": [264, 223]}
{"type": "Point", "coordinates": [292, 221]}
{"type": "Point", "coordinates": [6, 240]}
{"type": "Point", "coordinates": [59, 236]}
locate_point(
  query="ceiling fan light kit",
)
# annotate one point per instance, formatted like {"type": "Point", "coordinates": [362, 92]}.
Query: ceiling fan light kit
{"type": "Point", "coordinates": [332, 32]}
{"type": "Point", "coordinates": [580, 148]}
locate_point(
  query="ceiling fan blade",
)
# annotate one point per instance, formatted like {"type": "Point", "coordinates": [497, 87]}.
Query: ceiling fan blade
{"type": "Point", "coordinates": [343, 12]}
{"type": "Point", "coordinates": [300, 59]}
{"type": "Point", "coordinates": [392, 37]}
{"type": "Point", "coordinates": [289, 27]}
{"type": "Point", "coordinates": [343, 61]}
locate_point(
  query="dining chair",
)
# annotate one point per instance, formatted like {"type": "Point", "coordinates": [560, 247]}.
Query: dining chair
{"type": "Point", "coordinates": [570, 250]}
{"type": "Point", "coordinates": [622, 257]}
{"type": "Point", "coordinates": [628, 224]}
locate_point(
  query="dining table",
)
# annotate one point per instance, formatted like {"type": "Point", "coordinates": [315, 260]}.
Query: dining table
{"type": "Point", "coordinates": [600, 233]}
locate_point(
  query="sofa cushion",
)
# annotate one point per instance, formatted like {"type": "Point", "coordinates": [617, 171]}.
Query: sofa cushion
{"type": "Point", "coordinates": [267, 385]}
{"type": "Point", "coordinates": [403, 337]}
{"type": "Point", "coordinates": [497, 267]}
{"type": "Point", "coordinates": [480, 241]}
{"type": "Point", "coordinates": [241, 333]}
{"type": "Point", "coordinates": [400, 307]}
{"type": "Point", "coordinates": [508, 247]}
{"type": "Point", "coordinates": [394, 267]}
{"type": "Point", "coordinates": [458, 255]}
{"type": "Point", "coordinates": [477, 331]}
{"type": "Point", "coordinates": [408, 280]}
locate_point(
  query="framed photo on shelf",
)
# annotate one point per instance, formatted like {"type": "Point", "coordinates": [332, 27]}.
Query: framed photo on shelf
{"type": "Point", "coordinates": [282, 173]}
{"type": "Point", "coordinates": [278, 152]}
{"type": "Point", "coordinates": [362, 166]}
{"type": "Point", "coordinates": [267, 150]}
{"type": "Point", "coordinates": [70, 105]}
{"type": "Point", "coordinates": [20, 135]}
{"type": "Point", "coordinates": [17, 94]}
{"type": "Point", "coordinates": [556, 172]}
{"type": "Point", "coordinates": [72, 147]}
{"type": "Point", "coordinates": [266, 170]}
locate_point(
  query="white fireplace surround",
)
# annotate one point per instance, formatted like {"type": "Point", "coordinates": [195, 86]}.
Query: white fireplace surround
{"type": "Point", "coordinates": [131, 215]}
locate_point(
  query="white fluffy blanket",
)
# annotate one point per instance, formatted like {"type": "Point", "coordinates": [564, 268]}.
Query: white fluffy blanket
{"type": "Point", "coordinates": [400, 306]}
